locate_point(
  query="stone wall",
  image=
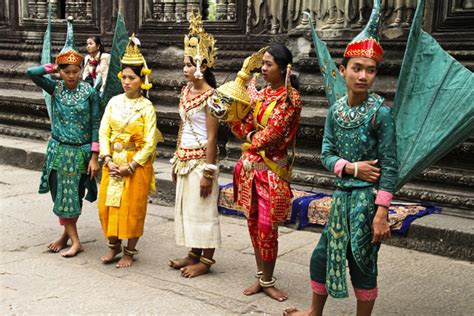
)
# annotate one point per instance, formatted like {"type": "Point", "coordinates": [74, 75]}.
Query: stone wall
{"type": "Point", "coordinates": [242, 27]}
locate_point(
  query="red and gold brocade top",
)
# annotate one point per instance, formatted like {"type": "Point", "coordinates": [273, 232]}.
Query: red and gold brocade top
{"type": "Point", "coordinates": [274, 120]}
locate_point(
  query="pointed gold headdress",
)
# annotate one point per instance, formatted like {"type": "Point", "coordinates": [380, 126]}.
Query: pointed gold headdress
{"type": "Point", "coordinates": [133, 57]}
{"type": "Point", "coordinates": [231, 100]}
{"type": "Point", "coordinates": [199, 44]}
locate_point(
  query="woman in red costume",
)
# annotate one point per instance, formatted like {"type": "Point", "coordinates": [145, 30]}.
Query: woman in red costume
{"type": "Point", "coordinates": [262, 175]}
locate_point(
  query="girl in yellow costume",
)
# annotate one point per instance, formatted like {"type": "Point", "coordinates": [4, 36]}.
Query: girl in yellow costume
{"type": "Point", "coordinates": [128, 138]}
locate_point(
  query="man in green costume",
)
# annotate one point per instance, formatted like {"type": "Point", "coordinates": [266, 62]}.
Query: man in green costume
{"type": "Point", "coordinates": [359, 146]}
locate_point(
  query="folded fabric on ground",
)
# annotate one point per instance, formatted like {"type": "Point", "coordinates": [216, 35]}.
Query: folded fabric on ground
{"type": "Point", "coordinates": [312, 209]}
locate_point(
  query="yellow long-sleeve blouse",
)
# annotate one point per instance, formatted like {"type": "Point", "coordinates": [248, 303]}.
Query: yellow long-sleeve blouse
{"type": "Point", "coordinates": [129, 121]}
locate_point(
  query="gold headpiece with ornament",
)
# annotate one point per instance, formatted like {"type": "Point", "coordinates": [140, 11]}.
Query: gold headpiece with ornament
{"type": "Point", "coordinates": [69, 55]}
{"type": "Point", "coordinates": [231, 99]}
{"type": "Point", "coordinates": [199, 45]}
{"type": "Point", "coordinates": [133, 57]}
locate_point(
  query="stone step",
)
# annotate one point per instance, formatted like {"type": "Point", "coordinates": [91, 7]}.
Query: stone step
{"type": "Point", "coordinates": [441, 234]}
{"type": "Point", "coordinates": [428, 187]}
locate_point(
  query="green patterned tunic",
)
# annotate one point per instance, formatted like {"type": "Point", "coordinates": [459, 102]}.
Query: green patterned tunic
{"type": "Point", "coordinates": [75, 123]}
{"type": "Point", "coordinates": [358, 133]}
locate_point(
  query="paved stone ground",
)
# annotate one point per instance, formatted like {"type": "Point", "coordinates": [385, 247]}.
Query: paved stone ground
{"type": "Point", "coordinates": [34, 281]}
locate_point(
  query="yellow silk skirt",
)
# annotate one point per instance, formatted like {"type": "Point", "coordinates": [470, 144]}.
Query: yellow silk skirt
{"type": "Point", "coordinates": [127, 220]}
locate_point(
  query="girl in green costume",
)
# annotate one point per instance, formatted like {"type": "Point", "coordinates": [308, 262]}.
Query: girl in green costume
{"type": "Point", "coordinates": [72, 154]}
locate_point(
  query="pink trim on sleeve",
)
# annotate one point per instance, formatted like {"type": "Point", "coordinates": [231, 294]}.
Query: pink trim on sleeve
{"type": "Point", "coordinates": [366, 295]}
{"type": "Point", "coordinates": [339, 167]}
{"type": "Point", "coordinates": [49, 68]}
{"type": "Point", "coordinates": [319, 288]}
{"type": "Point", "coordinates": [95, 147]}
{"type": "Point", "coordinates": [384, 198]}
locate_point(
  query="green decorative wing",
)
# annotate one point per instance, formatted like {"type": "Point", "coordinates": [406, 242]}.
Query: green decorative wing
{"type": "Point", "coordinates": [434, 107]}
{"type": "Point", "coordinates": [334, 83]}
{"type": "Point", "coordinates": [46, 58]}
{"type": "Point", "coordinates": [113, 86]}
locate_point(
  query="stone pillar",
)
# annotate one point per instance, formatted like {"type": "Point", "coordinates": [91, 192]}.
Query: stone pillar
{"type": "Point", "coordinates": [42, 7]}
{"type": "Point", "coordinates": [168, 10]}
{"type": "Point", "coordinates": [468, 4]}
{"type": "Point", "coordinates": [81, 10]}
{"type": "Point", "coordinates": [193, 6]}
{"type": "Point", "coordinates": [221, 10]}
{"type": "Point", "coordinates": [69, 9]}
{"type": "Point", "coordinates": [32, 10]}
{"type": "Point", "coordinates": [89, 10]}
{"type": "Point", "coordinates": [158, 10]}
{"type": "Point", "coordinates": [180, 11]}
{"type": "Point", "coordinates": [232, 10]}
{"type": "Point", "coordinates": [54, 9]}
{"type": "Point", "coordinates": [4, 16]}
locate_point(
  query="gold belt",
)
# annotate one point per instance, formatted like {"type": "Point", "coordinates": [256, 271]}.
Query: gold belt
{"type": "Point", "coordinates": [248, 165]}
{"type": "Point", "coordinates": [118, 146]}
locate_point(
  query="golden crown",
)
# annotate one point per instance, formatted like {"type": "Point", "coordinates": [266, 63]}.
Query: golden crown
{"type": "Point", "coordinates": [199, 44]}
{"type": "Point", "coordinates": [70, 57]}
{"type": "Point", "coordinates": [133, 56]}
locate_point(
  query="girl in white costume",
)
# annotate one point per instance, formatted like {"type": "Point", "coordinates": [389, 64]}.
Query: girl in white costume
{"type": "Point", "coordinates": [194, 163]}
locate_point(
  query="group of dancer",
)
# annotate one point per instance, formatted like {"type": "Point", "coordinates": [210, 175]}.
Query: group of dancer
{"type": "Point", "coordinates": [358, 146]}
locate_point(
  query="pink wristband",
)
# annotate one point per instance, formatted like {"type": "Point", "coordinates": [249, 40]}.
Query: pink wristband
{"type": "Point", "coordinates": [49, 68]}
{"type": "Point", "coordinates": [339, 167]}
{"type": "Point", "coordinates": [384, 198]}
{"type": "Point", "coordinates": [95, 147]}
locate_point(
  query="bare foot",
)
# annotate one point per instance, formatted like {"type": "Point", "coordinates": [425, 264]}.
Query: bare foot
{"type": "Point", "coordinates": [72, 251]}
{"type": "Point", "coordinates": [293, 311]}
{"type": "Point", "coordinates": [254, 289]}
{"type": "Point", "coordinates": [110, 256]}
{"type": "Point", "coordinates": [59, 244]}
{"type": "Point", "coordinates": [125, 262]}
{"type": "Point", "coordinates": [275, 293]}
{"type": "Point", "coordinates": [181, 263]}
{"type": "Point", "coordinates": [195, 270]}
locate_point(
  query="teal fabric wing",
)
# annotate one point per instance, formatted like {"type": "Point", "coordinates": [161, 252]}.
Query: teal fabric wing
{"type": "Point", "coordinates": [434, 107]}
{"type": "Point", "coordinates": [113, 86]}
{"type": "Point", "coordinates": [334, 83]}
{"type": "Point", "coordinates": [46, 58]}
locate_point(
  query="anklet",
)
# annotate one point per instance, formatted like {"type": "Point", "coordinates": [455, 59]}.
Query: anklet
{"type": "Point", "coordinates": [259, 274]}
{"type": "Point", "coordinates": [266, 284]}
{"type": "Point", "coordinates": [129, 252]}
{"type": "Point", "coordinates": [114, 245]}
{"type": "Point", "coordinates": [193, 256]}
{"type": "Point", "coordinates": [206, 261]}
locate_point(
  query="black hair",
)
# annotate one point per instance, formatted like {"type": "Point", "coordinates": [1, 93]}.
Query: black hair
{"type": "Point", "coordinates": [283, 56]}
{"type": "Point", "coordinates": [345, 61]}
{"type": "Point", "coordinates": [136, 69]}
{"type": "Point", "coordinates": [208, 75]}
{"type": "Point", "coordinates": [64, 66]}
{"type": "Point", "coordinates": [98, 42]}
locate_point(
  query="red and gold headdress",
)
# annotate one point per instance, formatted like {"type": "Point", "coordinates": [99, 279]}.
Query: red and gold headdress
{"type": "Point", "coordinates": [367, 44]}
{"type": "Point", "coordinates": [69, 55]}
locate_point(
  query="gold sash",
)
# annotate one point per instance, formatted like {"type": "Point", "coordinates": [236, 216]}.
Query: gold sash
{"type": "Point", "coordinates": [273, 166]}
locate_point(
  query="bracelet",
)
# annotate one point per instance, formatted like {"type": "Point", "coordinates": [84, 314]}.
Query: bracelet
{"type": "Point", "coordinates": [208, 174]}
{"type": "Point", "coordinates": [356, 169]}
{"type": "Point", "coordinates": [249, 136]}
{"type": "Point", "coordinates": [106, 161]}
{"type": "Point", "coordinates": [131, 167]}
{"type": "Point", "coordinates": [210, 167]}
